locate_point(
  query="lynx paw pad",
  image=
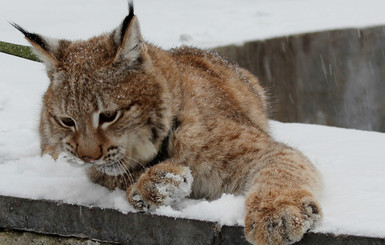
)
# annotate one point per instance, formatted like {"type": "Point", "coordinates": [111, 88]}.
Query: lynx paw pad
{"type": "Point", "coordinates": [160, 185]}
{"type": "Point", "coordinates": [281, 220]}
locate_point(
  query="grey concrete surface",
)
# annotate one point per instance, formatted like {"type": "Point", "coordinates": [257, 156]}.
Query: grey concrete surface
{"type": "Point", "coordinates": [58, 220]}
{"type": "Point", "coordinates": [106, 225]}
{"type": "Point", "coordinates": [9, 237]}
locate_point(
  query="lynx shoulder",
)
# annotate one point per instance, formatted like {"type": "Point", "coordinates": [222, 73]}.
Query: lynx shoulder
{"type": "Point", "coordinates": [165, 125]}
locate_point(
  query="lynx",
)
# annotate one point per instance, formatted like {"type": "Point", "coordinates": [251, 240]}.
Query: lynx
{"type": "Point", "coordinates": [164, 125]}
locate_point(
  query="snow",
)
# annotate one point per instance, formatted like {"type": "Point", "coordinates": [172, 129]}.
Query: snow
{"type": "Point", "coordinates": [174, 193]}
{"type": "Point", "coordinates": [351, 161]}
{"type": "Point", "coordinates": [199, 22]}
{"type": "Point", "coordinates": [43, 178]}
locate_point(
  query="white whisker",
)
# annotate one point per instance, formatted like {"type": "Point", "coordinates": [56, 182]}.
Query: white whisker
{"type": "Point", "coordinates": [123, 172]}
{"type": "Point", "coordinates": [134, 160]}
{"type": "Point", "coordinates": [132, 179]}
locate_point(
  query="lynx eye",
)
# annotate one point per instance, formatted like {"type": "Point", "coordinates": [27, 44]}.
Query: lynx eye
{"type": "Point", "coordinates": [67, 121]}
{"type": "Point", "coordinates": [107, 116]}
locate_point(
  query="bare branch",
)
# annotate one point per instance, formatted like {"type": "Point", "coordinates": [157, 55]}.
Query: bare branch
{"type": "Point", "coordinates": [18, 50]}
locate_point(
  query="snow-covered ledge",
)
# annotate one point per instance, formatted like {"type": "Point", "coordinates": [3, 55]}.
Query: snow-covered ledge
{"type": "Point", "coordinates": [351, 161]}
{"type": "Point", "coordinates": [108, 225]}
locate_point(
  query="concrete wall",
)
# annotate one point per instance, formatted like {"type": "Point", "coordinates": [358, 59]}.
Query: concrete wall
{"type": "Point", "coordinates": [332, 78]}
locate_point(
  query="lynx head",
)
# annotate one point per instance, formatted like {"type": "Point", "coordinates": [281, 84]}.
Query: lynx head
{"type": "Point", "coordinates": [106, 103]}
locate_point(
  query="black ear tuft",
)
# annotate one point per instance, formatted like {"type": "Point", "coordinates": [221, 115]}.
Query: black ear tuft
{"type": "Point", "coordinates": [127, 20]}
{"type": "Point", "coordinates": [131, 8]}
{"type": "Point", "coordinates": [31, 36]}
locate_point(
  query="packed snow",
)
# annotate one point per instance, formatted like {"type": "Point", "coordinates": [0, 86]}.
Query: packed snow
{"type": "Point", "coordinates": [351, 161]}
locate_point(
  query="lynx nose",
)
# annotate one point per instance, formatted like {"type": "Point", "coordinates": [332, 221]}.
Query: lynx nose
{"type": "Point", "coordinates": [88, 159]}
{"type": "Point", "coordinates": [88, 150]}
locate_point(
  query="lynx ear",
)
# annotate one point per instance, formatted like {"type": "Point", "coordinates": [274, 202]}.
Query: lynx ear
{"type": "Point", "coordinates": [43, 47]}
{"type": "Point", "coordinates": [131, 46]}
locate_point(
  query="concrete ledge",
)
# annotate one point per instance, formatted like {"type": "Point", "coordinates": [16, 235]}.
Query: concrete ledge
{"type": "Point", "coordinates": [31, 238]}
{"type": "Point", "coordinates": [101, 224]}
{"type": "Point", "coordinates": [106, 225]}
{"type": "Point", "coordinates": [333, 78]}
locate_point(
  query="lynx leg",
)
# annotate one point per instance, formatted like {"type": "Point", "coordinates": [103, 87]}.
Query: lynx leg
{"type": "Point", "coordinates": [280, 206]}
{"type": "Point", "coordinates": [119, 180]}
{"type": "Point", "coordinates": [162, 184]}
{"type": "Point", "coordinates": [50, 150]}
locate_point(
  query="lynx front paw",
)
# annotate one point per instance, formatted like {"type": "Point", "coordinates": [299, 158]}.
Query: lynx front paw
{"type": "Point", "coordinates": [163, 184]}
{"type": "Point", "coordinates": [280, 218]}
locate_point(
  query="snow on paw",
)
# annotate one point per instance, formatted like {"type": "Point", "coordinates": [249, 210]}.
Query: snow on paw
{"type": "Point", "coordinates": [136, 200]}
{"type": "Point", "coordinates": [163, 184]}
{"type": "Point", "coordinates": [280, 218]}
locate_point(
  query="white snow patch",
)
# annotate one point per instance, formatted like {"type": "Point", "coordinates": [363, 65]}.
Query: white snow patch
{"type": "Point", "coordinates": [199, 23]}
{"type": "Point", "coordinates": [176, 193]}
{"type": "Point", "coordinates": [43, 178]}
{"type": "Point", "coordinates": [228, 210]}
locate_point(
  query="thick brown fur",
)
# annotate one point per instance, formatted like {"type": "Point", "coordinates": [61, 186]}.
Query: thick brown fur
{"type": "Point", "coordinates": [112, 102]}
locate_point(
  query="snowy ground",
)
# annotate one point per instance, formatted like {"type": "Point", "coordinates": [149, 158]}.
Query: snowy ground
{"type": "Point", "coordinates": [203, 23]}
{"type": "Point", "coordinates": [351, 161]}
